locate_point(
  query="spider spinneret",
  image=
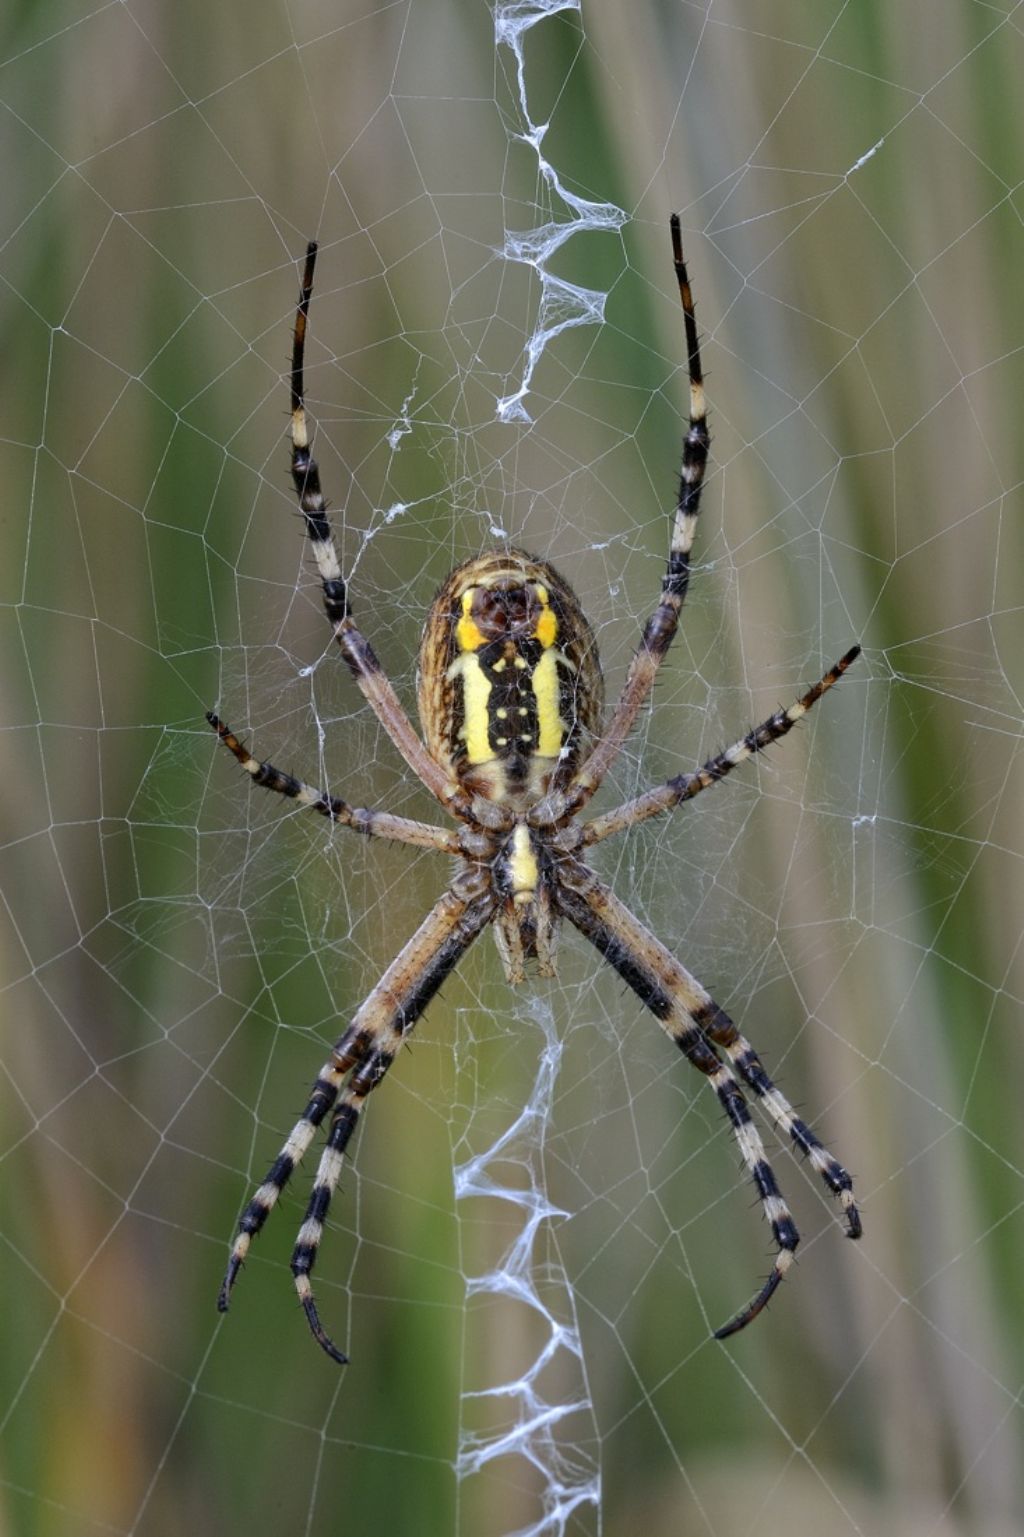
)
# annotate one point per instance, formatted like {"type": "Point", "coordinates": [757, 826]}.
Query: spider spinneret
{"type": "Point", "coordinates": [513, 748]}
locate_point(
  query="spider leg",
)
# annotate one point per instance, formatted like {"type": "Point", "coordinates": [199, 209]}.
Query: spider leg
{"type": "Point", "coordinates": [720, 1029]}
{"type": "Point", "coordinates": [363, 664]}
{"type": "Point", "coordinates": [367, 1048]}
{"type": "Point", "coordinates": [373, 824]}
{"type": "Point", "coordinates": [322, 1098]}
{"type": "Point", "coordinates": [690, 1016]}
{"type": "Point", "coordinates": [683, 787]}
{"type": "Point", "coordinates": [661, 627]}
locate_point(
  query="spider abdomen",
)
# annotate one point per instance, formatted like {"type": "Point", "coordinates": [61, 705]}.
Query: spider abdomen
{"type": "Point", "coordinates": [510, 685]}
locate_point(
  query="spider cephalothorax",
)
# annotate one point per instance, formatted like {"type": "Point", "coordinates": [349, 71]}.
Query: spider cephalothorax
{"type": "Point", "coordinates": [513, 748]}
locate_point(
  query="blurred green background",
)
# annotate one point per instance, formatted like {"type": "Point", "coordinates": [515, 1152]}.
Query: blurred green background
{"type": "Point", "coordinates": [176, 952]}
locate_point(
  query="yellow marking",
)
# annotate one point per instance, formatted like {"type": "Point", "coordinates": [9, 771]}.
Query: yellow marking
{"type": "Point", "coordinates": [476, 690]}
{"type": "Point", "coordinates": [300, 433]}
{"type": "Point", "coordinates": [546, 629]}
{"type": "Point", "coordinates": [523, 863]}
{"type": "Point", "coordinates": [551, 733]}
{"type": "Point", "coordinates": [467, 632]}
{"type": "Point", "coordinates": [476, 686]}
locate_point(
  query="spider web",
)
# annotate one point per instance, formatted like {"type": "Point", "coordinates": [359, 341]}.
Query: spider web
{"type": "Point", "coordinates": [544, 1217]}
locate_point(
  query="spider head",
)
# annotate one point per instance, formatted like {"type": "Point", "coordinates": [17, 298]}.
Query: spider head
{"type": "Point", "coordinates": [525, 927]}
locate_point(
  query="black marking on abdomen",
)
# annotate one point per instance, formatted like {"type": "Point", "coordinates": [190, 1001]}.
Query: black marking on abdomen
{"type": "Point", "coordinates": [512, 723]}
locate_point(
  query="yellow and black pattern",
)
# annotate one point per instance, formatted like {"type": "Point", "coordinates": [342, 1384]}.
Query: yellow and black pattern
{"type": "Point", "coordinates": [513, 747]}
{"type": "Point", "coordinates": [510, 689]}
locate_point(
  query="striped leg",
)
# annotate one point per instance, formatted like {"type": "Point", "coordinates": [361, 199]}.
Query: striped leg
{"type": "Point", "coordinates": [307, 1244]}
{"type": "Point", "coordinates": [368, 1048]}
{"type": "Point", "coordinates": [373, 824]}
{"type": "Point", "coordinates": [366, 669]}
{"type": "Point", "coordinates": [720, 1029]}
{"type": "Point", "coordinates": [322, 1098]}
{"type": "Point", "coordinates": [693, 1020]}
{"type": "Point", "coordinates": [661, 627]}
{"type": "Point", "coordinates": [383, 1022]}
{"type": "Point", "coordinates": [685, 786]}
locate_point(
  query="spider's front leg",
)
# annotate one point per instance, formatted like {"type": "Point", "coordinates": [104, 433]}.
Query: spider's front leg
{"type": "Point", "coordinates": [366, 1051]}
{"type": "Point", "coordinates": [690, 1016]}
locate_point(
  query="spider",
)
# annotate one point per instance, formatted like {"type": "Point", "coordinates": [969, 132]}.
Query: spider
{"type": "Point", "coordinates": [513, 747]}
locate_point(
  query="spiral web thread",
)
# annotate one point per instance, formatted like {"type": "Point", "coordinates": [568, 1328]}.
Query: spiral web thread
{"type": "Point", "coordinates": [179, 954]}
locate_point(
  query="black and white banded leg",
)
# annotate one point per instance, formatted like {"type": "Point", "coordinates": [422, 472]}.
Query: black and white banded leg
{"type": "Point", "coordinates": [720, 1029]}
{"type": "Point", "coordinates": [322, 1097]}
{"type": "Point", "coordinates": [373, 683]}
{"type": "Point", "coordinates": [661, 627]}
{"type": "Point", "coordinates": [683, 787]}
{"type": "Point", "coordinates": [690, 1016]}
{"type": "Point", "coordinates": [372, 824]}
{"type": "Point", "coordinates": [366, 1051]}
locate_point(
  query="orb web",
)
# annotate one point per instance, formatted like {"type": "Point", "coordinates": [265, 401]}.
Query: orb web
{"type": "Point", "coordinates": [543, 1218]}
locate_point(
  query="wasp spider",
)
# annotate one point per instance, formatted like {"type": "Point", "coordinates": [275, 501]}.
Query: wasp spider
{"type": "Point", "coordinates": [513, 748]}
